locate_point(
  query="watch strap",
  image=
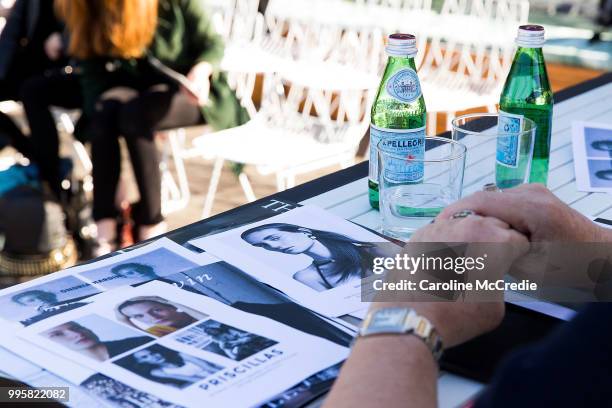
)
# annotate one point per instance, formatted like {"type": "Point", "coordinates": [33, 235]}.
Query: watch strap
{"type": "Point", "coordinates": [409, 322]}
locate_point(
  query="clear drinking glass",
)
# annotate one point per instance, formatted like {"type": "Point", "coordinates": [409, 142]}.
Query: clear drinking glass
{"type": "Point", "coordinates": [500, 149]}
{"type": "Point", "coordinates": [408, 203]}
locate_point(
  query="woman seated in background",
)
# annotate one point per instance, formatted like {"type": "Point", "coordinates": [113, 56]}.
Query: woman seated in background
{"type": "Point", "coordinates": [34, 71]}
{"type": "Point", "coordinates": [126, 95]}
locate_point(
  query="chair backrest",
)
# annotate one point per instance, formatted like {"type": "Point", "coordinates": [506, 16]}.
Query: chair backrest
{"type": "Point", "coordinates": [247, 24]}
{"type": "Point", "coordinates": [399, 4]}
{"type": "Point", "coordinates": [506, 11]}
{"type": "Point", "coordinates": [221, 15]}
{"type": "Point", "coordinates": [463, 50]}
{"type": "Point", "coordinates": [328, 116]}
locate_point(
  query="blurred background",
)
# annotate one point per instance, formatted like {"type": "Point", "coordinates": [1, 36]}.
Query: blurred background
{"type": "Point", "coordinates": [306, 70]}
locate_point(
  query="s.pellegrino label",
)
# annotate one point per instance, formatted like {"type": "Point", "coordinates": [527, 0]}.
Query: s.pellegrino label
{"type": "Point", "coordinates": [509, 141]}
{"type": "Point", "coordinates": [398, 118]}
{"type": "Point", "coordinates": [407, 144]}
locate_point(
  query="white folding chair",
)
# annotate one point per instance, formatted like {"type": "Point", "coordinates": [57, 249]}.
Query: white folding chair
{"type": "Point", "coordinates": [463, 68]}
{"type": "Point", "coordinates": [291, 141]}
{"type": "Point", "coordinates": [175, 191]}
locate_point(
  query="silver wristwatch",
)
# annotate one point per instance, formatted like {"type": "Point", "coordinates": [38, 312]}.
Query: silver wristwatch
{"type": "Point", "coordinates": [402, 320]}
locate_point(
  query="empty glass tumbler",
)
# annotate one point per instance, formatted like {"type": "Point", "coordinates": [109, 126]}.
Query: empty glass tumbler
{"type": "Point", "coordinates": [414, 190]}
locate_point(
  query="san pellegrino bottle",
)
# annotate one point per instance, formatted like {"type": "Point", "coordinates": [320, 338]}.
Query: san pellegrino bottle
{"type": "Point", "coordinates": [527, 94]}
{"type": "Point", "coordinates": [398, 114]}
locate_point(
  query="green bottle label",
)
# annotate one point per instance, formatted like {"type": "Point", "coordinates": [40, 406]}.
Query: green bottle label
{"type": "Point", "coordinates": [508, 141]}
{"type": "Point", "coordinates": [406, 143]}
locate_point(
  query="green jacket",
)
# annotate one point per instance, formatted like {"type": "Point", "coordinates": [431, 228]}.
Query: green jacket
{"type": "Point", "coordinates": [184, 37]}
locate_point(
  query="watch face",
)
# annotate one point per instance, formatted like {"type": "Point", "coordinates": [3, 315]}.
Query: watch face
{"type": "Point", "coordinates": [392, 319]}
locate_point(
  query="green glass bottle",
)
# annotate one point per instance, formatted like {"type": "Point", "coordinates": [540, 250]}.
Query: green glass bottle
{"type": "Point", "coordinates": [398, 113]}
{"type": "Point", "coordinates": [527, 94]}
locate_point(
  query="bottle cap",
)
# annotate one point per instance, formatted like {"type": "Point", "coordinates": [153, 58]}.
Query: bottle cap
{"type": "Point", "coordinates": [530, 36]}
{"type": "Point", "coordinates": [401, 45]}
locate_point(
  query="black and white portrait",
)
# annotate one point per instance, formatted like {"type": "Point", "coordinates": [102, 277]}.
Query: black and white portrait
{"type": "Point", "coordinates": [169, 367]}
{"type": "Point", "coordinates": [139, 269]}
{"type": "Point", "coordinates": [95, 337]}
{"type": "Point", "coordinates": [600, 173]}
{"type": "Point", "coordinates": [231, 286]}
{"type": "Point", "coordinates": [39, 302]}
{"type": "Point", "coordinates": [336, 259]}
{"type": "Point", "coordinates": [122, 395]}
{"type": "Point", "coordinates": [598, 143]}
{"type": "Point", "coordinates": [224, 340]}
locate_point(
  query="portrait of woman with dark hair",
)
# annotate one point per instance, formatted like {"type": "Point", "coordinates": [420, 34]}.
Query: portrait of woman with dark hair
{"type": "Point", "coordinates": [232, 342]}
{"type": "Point", "coordinates": [83, 340]}
{"type": "Point", "coordinates": [134, 271]}
{"type": "Point", "coordinates": [44, 304]}
{"type": "Point", "coordinates": [336, 259]}
{"type": "Point", "coordinates": [156, 315]}
{"type": "Point", "coordinates": [165, 366]}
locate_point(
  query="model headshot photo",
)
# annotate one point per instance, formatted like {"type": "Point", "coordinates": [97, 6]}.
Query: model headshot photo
{"type": "Point", "coordinates": [224, 340]}
{"type": "Point", "coordinates": [134, 270]}
{"type": "Point", "coordinates": [155, 315]}
{"type": "Point", "coordinates": [337, 259]}
{"type": "Point", "coordinates": [39, 302]}
{"type": "Point", "coordinates": [119, 394]}
{"type": "Point", "coordinates": [108, 340]}
{"type": "Point", "coordinates": [139, 269]}
{"type": "Point", "coordinates": [600, 173]}
{"type": "Point", "coordinates": [597, 142]}
{"type": "Point", "coordinates": [163, 365]}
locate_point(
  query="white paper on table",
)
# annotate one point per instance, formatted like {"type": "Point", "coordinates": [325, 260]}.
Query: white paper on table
{"type": "Point", "coordinates": [230, 381]}
{"type": "Point", "coordinates": [281, 270]}
{"type": "Point", "coordinates": [85, 385]}
{"type": "Point", "coordinates": [592, 148]}
{"type": "Point", "coordinates": [68, 370]}
{"type": "Point", "coordinates": [73, 287]}
{"type": "Point", "coordinates": [35, 376]}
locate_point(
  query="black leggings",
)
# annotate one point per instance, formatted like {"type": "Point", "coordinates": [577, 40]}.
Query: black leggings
{"type": "Point", "coordinates": [135, 115]}
{"type": "Point", "coordinates": [38, 94]}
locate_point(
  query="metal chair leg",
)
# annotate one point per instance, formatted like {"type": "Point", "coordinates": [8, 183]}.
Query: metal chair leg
{"type": "Point", "coordinates": [246, 187]}
{"type": "Point", "coordinates": [449, 120]}
{"type": "Point", "coordinates": [290, 180]}
{"type": "Point", "coordinates": [280, 182]}
{"type": "Point", "coordinates": [432, 123]}
{"type": "Point", "coordinates": [179, 165]}
{"type": "Point", "coordinates": [212, 187]}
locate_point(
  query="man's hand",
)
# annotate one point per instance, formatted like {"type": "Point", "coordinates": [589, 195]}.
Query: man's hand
{"type": "Point", "coordinates": [473, 228]}
{"type": "Point", "coordinates": [399, 371]}
{"type": "Point", "coordinates": [534, 211]}
{"type": "Point", "coordinates": [460, 321]}
{"type": "Point", "coordinates": [53, 46]}
{"type": "Point", "coordinates": [199, 76]}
